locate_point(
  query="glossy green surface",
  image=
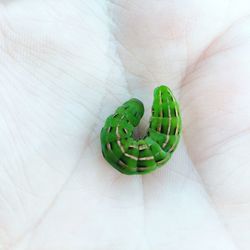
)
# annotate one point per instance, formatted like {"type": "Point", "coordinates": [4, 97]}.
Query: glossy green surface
{"type": "Point", "coordinates": [131, 156]}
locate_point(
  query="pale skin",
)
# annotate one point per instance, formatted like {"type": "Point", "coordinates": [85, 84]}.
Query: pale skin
{"type": "Point", "coordinates": [65, 66]}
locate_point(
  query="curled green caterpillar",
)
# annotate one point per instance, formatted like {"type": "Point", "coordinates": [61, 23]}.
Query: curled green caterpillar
{"type": "Point", "coordinates": [140, 156]}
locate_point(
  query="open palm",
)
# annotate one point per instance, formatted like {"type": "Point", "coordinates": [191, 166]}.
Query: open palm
{"type": "Point", "coordinates": [65, 66]}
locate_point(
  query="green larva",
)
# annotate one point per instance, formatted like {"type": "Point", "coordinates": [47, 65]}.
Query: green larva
{"type": "Point", "coordinates": [131, 156]}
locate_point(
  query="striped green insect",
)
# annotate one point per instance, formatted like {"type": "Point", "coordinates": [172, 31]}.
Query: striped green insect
{"type": "Point", "coordinates": [141, 156]}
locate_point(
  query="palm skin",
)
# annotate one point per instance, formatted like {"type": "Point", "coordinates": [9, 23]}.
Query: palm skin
{"type": "Point", "coordinates": [65, 67]}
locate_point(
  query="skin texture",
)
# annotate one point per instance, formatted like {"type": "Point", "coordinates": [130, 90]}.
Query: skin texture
{"type": "Point", "coordinates": [65, 65]}
{"type": "Point", "coordinates": [142, 156]}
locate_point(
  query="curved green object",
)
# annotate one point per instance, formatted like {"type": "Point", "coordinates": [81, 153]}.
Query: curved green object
{"type": "Point", "coordinates": [131, 156]}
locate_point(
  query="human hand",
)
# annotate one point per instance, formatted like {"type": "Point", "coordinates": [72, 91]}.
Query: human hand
{"type": "Point", "coordinates": [65, 67]}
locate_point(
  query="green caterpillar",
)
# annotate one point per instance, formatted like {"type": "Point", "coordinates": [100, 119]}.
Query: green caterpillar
{"type": "Point", "coordinates": [131, 156]}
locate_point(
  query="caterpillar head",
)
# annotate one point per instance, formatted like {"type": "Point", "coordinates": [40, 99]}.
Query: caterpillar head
{"type": "Point", "coordinates": [133, 109]}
